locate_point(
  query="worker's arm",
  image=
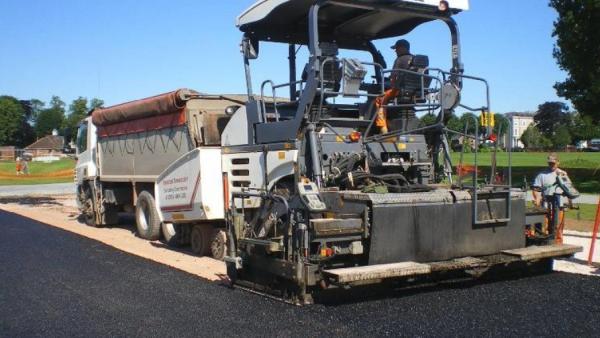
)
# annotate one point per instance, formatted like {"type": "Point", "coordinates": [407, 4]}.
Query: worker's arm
{"type": "Point", "coordinates": [537, 196]}
{"type": "Point", "coordinates": [536, 191]}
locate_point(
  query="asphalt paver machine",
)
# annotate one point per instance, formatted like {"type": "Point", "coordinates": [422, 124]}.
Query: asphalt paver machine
{"type": "Point", "coordinates": [317, 197]}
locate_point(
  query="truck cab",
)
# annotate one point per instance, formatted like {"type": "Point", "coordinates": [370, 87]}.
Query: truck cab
{"type": "Point", "coordinates": [85, 148]}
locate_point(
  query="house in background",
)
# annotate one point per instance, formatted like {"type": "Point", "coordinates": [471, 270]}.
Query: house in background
{"type": "Point", "coordinates": [47, 148]}
{"type": "Point", "coordinates": [7, 153]}
{"type": "Point", "coordinates": [519, 122]}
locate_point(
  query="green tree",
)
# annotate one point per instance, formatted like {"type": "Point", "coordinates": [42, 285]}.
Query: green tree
{"type": "Point", "coordinates": [561, 137]}
{"type": "Point", "coordinates": [532, 138]}
{"type": "Point", "coordinates": [472, 120]}
{"type": "Point", "coordinates": [455, 124]}
{"type": "Point", "coordinates": [549, 116]}
{"type": "Point", "coordinates": [50, 118]}
{"type": "Point", "coordinates": [96, 103]}
{"type": "Point", "coordinates": [502, 125]}
{"type": "Point", "coordinates": [77, 111]}
{"type": "Point", "coordinates": [11, 115]}
{"type": "Point", "coordinates": [583, 128]}
{"type": "Point", "coordinates": [577, 52]}
{"type": "Point", "coordinates": [428, 119]}
{"type": "Point", "coordinates": [32, 109]}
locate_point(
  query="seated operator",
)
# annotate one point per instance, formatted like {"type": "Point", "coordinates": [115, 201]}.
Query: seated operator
{"type": "Point", "coordinates": [403, 61]}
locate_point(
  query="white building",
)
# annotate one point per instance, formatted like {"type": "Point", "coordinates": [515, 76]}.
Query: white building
{"type": "Point", "coordinates": [520, 122]}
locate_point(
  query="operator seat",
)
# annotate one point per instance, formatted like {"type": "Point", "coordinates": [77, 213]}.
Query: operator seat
{"type": "Point", "coordinates": [411, 87]}
{"type": "Point", "coordinates": [412, 84]}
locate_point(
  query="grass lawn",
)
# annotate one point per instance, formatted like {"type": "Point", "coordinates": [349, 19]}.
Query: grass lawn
{"type": "Point", "coordinates": [39, 172]}
{"type": "Point", "coordinates": [583, 168]}
{"type": "Point", "coordinates": [586, 212]}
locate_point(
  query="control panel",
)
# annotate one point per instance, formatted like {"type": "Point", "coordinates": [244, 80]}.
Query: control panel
{"type": "Point", "coordinates": [310, 196]}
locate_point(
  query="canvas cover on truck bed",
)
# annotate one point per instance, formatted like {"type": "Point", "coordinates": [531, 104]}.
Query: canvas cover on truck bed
{"type": "Point", "coordinates": [162, 104]}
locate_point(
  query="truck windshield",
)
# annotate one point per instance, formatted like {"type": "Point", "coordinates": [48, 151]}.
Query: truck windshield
{"type": "Point", "coordinates": [82, 138]}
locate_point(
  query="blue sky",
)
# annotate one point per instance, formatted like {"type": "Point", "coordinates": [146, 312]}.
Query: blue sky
{"type": "Point", "coordinates": [124, 50]}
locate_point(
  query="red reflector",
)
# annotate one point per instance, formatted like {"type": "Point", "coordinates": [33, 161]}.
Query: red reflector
{"type": "Point", "coordinates": [326, 252]}
{"type": "Point", "coordinates": [354, 136]}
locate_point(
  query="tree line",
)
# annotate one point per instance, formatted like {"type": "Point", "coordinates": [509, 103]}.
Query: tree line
{"type": "Point", "coordinates": [24, 121]}
{"type": "Point", "coordinates": [556, 127]}
{"type": "Point", "coordinates": [577, 52]}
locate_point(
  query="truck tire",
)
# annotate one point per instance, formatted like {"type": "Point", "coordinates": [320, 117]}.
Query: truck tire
{"type": "Point", "coordinates": [146, 217]}
{"type": "Point", "coordinates": [218, 244]}
{"type": "Point", "coordinates": [200, 239]}
{"type": "Point", "coordinates": [172, 234]}
{"type": "Point", "coordinates": [88, 211]}
{"type": "Point", "coordinates": [110, 215]}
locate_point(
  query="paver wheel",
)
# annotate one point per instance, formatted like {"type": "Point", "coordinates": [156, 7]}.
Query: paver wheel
{"type": "Point", "coordinates": [200, 239]}
{"type": "Point", "coordinates": [146, 217]}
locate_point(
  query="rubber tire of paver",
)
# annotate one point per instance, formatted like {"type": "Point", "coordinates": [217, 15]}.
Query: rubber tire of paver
{"type": "Point", "coordinates": [146, 217]}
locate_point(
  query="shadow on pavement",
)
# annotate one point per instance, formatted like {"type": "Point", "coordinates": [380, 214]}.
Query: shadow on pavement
{"type": "Point", "coordinates": [37, 200]}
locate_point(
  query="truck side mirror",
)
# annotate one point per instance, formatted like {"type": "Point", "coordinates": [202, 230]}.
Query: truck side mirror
{"type": "Point", "coordinates": [250, 48]}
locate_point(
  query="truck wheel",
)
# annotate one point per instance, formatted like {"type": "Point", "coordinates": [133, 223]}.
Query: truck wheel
{"type": "Point", "coordinates": [172, 234]}
{"type": "Point", "coordinates": [146, 217]}
{"type": "Point", "coordinates": [218, 244]}
{"type": "Point", "coordinates": [201, 239]}
{"type": "Point", "coordinates": [110, 215]}
{"type": "Point", "coordinates": [88, 212]}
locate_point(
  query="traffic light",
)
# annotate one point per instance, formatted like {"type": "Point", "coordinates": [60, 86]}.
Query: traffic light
{"type": "Point", "coordinates": [487, 119]}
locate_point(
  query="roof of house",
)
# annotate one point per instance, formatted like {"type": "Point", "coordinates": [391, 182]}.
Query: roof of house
{"type": "Point", "coordinates": [520, 114]}
{"type": "Point", "coordinates": [48, 142]}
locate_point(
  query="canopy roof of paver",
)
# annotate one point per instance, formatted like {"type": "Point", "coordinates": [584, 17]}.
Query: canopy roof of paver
{"type": "Point", "coordinates": [351, 23]}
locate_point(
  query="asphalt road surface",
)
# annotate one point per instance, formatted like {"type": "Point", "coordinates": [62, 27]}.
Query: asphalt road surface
{"type": "Point", "coordinates": [55, 283]}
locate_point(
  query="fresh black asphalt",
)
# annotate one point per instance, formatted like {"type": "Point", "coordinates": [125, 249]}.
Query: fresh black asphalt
{"type": "Point", "coordinates": [55, 283]}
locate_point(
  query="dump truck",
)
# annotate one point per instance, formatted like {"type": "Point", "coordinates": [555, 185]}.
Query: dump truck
{"type": "Point", "coordinates": [305, 194]}
{"type": "Point", "coordinates": [128, 161]}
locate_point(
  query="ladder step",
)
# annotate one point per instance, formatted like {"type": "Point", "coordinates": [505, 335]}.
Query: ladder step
{"type": "Point", "coordinates": [545, 251]}
{"type": "Point", "coordinates": [336, 226]}
{"type": "Point", "coordinates": [379, 271]}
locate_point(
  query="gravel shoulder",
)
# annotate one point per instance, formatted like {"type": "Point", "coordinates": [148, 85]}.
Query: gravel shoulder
{"type": "Point", "coordinates": [37, 190]}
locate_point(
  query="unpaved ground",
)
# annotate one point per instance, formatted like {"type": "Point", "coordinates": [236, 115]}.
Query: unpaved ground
{"type": "Point", "coordinates": [61, 212]}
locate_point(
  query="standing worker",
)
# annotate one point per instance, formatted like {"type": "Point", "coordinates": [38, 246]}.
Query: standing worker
{"type": "Point", "coordinates": [25, 166]}
{"type": "Point", "coordinates": [403, 61]}
{"type": "Point", "coordinates": [18, 166]}
{"type": "Point", "coordinates": [547, 193]}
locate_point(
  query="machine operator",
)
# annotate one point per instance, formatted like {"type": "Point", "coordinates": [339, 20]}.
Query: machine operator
{"type": "Point", "coordinates": [403, 61]}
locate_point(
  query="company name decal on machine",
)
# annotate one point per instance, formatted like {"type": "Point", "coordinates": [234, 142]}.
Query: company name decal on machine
{"type": "Point", "coordinates": [176, 190]}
